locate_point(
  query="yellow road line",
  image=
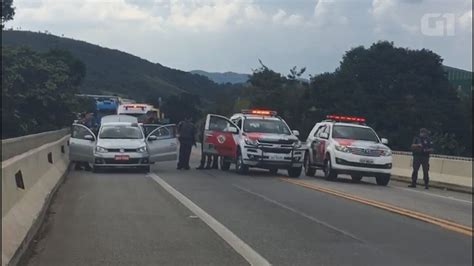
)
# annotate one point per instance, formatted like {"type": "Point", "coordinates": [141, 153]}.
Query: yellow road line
{"type": "Point", "coordinates": [463, 229]}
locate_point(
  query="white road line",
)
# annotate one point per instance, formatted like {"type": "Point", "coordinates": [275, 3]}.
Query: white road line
{"type": "Point", "coordinates": [433, 195]}
{"type": "Point", "coordinates": [299, 213]}
{"type": "Point", "coordinates": [234, 241]}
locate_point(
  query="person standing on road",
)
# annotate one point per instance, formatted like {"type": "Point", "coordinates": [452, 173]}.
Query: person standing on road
{"type": "Point", "coordinates": [422, 147]}
{"type": "Point", "coordinates": [205, 158]}
{"type": "Point", "coordinates": [187, 138]}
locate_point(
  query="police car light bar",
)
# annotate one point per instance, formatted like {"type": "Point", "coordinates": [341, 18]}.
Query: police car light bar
{"type": "Point", "coordinates": [259, 112]}
{"type": "Point", "coordinates": [346, 118]}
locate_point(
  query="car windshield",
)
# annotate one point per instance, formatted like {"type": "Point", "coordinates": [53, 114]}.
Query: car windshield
{"type": "Point", "coordinates": [120, 132]}
{"type": "Point", "coordinates": [266, 126]}
{"type": "Point", "coordinates": [355, 133]}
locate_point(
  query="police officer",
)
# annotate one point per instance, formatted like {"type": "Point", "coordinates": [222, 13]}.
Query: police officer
{"type": "Point", "coordinates": [187, 138]}
{"type": "Point", "coordinates": [422, 147]}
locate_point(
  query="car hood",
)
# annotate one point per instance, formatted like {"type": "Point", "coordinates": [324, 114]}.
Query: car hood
{"type": "Point", "coordinates": [121, 143]}
{"type": "Point", "coordinates": [361, 144]}
{"type": "Point", "coordinates": [271, 137]}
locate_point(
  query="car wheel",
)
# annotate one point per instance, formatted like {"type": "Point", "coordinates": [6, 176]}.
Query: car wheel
{"type": "Point", "coordinates": [308, 170]}
{"type": "Point", "coordinates": [95, 169]}
{"type": "Point", "coordinates": [329, 172]}
{"type": "Point", "coordinates": [356, 178]}
{"type": "Point", "coordinates": [240, 166]}
{"type": "Point", "coordinates": [273, 171]}
{"type": "Point", "coordinates": [295, 171]}
{"type": "Point", "coordinates": [382, 180]}
{"type": "Point", "coordinates": [146, 169]}
{"type": "Point", "coordinates": [225, 165]}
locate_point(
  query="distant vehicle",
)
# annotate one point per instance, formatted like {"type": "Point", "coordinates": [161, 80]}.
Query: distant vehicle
{"type": "Point", "coordinates": [122, 144]}
{"type": "Point", "coordinates": [345, 145]}
{"type": "Point", "coordinates": [137, 110]}
{"type": "Point", "coordinates": [254, 138]}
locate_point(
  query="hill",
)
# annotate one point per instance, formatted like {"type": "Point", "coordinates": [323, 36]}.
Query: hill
{"type": "Point", "coordinates": [222, 78]}
{"type": "Point", "coordinates": [114, 71]}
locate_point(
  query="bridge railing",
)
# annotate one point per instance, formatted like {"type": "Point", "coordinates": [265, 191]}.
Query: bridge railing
{"type": "Point", "coordinates": [16, 146]}
{"type": "Point", "coordinates": [34, 169]}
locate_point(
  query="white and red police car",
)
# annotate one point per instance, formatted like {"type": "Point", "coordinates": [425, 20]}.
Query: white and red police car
{"type": "Point", "coordinates": [254, 138]}
{"type": "Point", "coordinates": [345, 145]}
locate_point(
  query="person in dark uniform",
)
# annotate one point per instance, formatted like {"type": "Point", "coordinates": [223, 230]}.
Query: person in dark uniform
{"type": "Point", "coordinates": [187, 138]}
{"type": "Point", "coordinates": [422, 147]}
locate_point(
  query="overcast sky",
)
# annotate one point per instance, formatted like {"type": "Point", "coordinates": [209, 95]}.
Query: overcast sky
{"type": "Point", "coordinates": [230, 35]}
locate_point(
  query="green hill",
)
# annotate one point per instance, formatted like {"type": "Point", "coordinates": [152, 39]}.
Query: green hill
{"type": "Point", "coordinates": [222, 78]}
{"type": "Point", "coordinates": [113, 71]}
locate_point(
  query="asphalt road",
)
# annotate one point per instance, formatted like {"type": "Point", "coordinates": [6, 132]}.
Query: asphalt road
{"type": "Point", "coordinates": [129, 219]}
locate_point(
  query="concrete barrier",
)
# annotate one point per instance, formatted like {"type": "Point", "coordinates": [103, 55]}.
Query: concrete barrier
{"type": "Point", "coordinates": [15, 146]}
{"type": "Point", "coordinates": [447, 170]}
{"type": "Point", "coordinates": [28, 182]}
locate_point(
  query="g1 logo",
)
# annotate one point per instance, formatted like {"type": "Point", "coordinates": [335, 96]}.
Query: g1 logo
{"type": "Point", "coordinates": [221, 139]}
{"type": "Point", "coordinates": [437, 24]}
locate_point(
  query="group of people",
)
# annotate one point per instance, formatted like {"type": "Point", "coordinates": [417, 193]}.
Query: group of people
{"type": "Point", "coordinates": [187, 138]}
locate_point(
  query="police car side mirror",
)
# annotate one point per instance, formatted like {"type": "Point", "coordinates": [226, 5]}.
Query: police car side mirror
{"type": "Point", "coordinates": [296, 133]}
{"type": "Point", "coordinates": [152, 138]}
{"type": "Point", "coordinates": [324, 135]}
{"type": "Point", "coordinates": [384, 141]}
{"type": "Point", "coordinates": [89, 137]}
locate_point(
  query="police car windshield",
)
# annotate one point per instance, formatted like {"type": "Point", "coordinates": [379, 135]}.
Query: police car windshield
{"type": "Point", "coordinates": [266, 126]}
{"type": "Point", "coordinates": [120, 132]}
{"type": "Point", "coordinates": [355, 133]}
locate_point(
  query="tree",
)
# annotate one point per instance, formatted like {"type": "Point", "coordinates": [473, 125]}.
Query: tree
{"type": "Point", "coordinates": [38, 90]}
{"type": "Point", "coordinates": [182, 106]}
{"type": "Point", "coordinates": [398, 90]}
{"type": "Point", "coordinates": [8, 11]}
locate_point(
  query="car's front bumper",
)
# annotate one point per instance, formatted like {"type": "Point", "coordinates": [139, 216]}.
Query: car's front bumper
{"type": "Point", "coordinates": [349, 163]}
{"type": "Point", "coordinates": [108, 159]}
{"type": "Point", "coordinates": [273, 158]}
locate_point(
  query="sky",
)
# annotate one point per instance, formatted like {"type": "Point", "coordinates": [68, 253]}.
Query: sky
{"type": "Point", "coordinates": [231, 35]}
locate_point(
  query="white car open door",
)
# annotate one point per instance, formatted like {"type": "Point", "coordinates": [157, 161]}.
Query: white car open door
{"type": "Point", "coordinates": [81, 144]}
{"type": "Point", "coordinates": [162, 144]}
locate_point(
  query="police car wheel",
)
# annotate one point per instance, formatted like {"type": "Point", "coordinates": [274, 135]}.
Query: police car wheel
{"type": "Point", "coordinates": [382, 180]}
{"type": "Point", "coordinates": [273, 171]}
{"type": "Point", "coordinates": [308, 170]}
{"type": "Point", "coordinates": [225, 165]}
{"type": "Point", "coordinates": [295, 171]}
{"type": "Point", "coordinates": [240, 166]}
{"type": "Point", "coordinates": [356, 178]}
{"type": "Point", "coordinates": [329, 173]}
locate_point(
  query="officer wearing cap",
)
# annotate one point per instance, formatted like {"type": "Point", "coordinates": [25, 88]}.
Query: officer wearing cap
{"type": "Point", "coordinates": [422, 147]}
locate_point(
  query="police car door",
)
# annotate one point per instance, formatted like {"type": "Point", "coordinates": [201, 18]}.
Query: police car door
{"type": "Point", "coordinates": [220, 136]}
{"type": "Point", "coordinates": [81, 144]}
{"type": "Point", "coordinates": [162, 144]}
{"type": "Point", "coordinates": [319, 146]}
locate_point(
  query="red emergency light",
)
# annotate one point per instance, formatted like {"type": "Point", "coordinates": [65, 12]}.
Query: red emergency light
{"type": "Point", "coordinates": [259, 112]}
{"type": "Point", "coordinates": [346, 118]}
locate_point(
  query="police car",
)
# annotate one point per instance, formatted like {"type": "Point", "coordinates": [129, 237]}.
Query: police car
{"type": "Point", "coordinates": [345, 145]}
{"type": "Point", "coordinates": [254, 138]}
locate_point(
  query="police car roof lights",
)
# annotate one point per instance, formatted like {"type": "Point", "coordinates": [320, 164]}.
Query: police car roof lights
{"type": "Point", "coordinates": [259, 112]}
{"type": "Point", "coordinates": [343, 118]}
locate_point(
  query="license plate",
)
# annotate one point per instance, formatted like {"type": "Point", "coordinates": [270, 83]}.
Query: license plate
{"type": "Point", "coordinates": [276, 157]}
{"type": "Point", "coordinates": [122, 157]}
{"type": "Point", "coordinates": [368, 161]}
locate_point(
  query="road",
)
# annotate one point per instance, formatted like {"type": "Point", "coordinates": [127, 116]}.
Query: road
{"type": "Point", "coordinates": [126, 218]}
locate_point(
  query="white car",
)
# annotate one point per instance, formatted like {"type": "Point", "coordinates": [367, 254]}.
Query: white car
{"type": "Point", "coordinates": [121, 142]}
{"type": "Point", "coordinates": [345, 145]}
{"type": "Point", "coordinates": [254, 138]}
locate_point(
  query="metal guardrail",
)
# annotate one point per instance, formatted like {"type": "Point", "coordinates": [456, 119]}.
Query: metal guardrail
{"type": "Point", "coordinates": [441, 156]}
{"type": "Point", "coordinates": [15, 146]}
